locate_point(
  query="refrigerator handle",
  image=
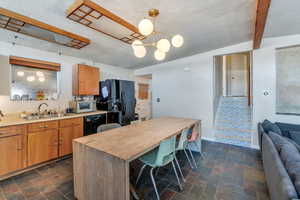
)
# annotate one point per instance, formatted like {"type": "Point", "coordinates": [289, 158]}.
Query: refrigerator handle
{"type": "Point", "coordinates": [123, 103]}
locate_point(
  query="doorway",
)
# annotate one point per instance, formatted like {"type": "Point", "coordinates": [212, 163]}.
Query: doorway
{"type": "Point", "coordinates": [233, 98]}
{"type": "Point", "coordinates": [143, 95]}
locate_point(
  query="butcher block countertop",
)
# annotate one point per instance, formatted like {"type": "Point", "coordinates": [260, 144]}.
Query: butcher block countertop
{"type": "Point", "coordinates": [129, 142]}
{"type": "Point", "coordinates": [14, 119]}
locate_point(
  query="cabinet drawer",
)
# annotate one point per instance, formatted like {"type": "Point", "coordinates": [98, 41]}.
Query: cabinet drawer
{"type": "Point", "coordinates": [71, 122]}
{"type": "Point", "coordinates": [41, 126]}
{"type": "Point", "coordinates": [51, 125]}
{"type": "Point", "coordinates": [12, 130]}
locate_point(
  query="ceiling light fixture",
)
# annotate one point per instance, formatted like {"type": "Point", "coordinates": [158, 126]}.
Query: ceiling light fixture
{"type": "Point", "coordinates": [159, 40]}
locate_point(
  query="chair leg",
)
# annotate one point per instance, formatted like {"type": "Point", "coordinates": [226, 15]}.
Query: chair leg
{"type": "Point", "coordinates": [133, 192]}
{"type": "Point", "coordinates": [187, 156]}
{"type": "Point", "coordinates": [175, 171]}
{"type": "Point", "coordinates": [200, 151]}
{"type": "Point", "coordinates": [180, 171]}
{"type": "Point", "coordinates": [154, 184]}
{"type": "Point", "coordinates": [140, 174]}
{"type": "Point", "coordinates": [194, 161]}
{"type": "Point", "coordinates": [156, 173]}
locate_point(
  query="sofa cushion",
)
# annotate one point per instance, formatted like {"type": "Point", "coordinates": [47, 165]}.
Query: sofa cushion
{"type": "Point", "coordinates": [295, 135]}
{"type": "Point", "coordinates": [279, 183]}
{"type": "Point", "coordinates": [297, 185]}
{"type": "Point", "coordinates": [278, 140]}
{"type": "Point", "coordinates": [289, 154]}
{"type": "Point", "coordinates": [269, 126]}
{"type": "Point", "coordinates": [293, 142]}
{"type": "Point", "coordinates": [286, 128]}
{"type": "Point", "coordinates": [290, 157]}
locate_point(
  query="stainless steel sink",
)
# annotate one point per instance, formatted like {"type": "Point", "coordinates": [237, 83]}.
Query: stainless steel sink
{"type": "Point", "coordinates": [37, 117]}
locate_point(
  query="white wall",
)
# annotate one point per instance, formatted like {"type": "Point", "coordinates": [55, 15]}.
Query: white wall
{"type": "Point", "coordinates": [190, 94]}
{"type": "Point", "coordinates": [264, 79]}
{"type": "Point", "coordinates": [67, 62]}
{"type": "Point", "coordinates": [187, 93]}
{"type": "Point", "coordinates": [218, 83]}
{"type": "Point", "coordinates": [237, 68]}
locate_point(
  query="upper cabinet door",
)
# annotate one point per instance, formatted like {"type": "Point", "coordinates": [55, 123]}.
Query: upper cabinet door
{"type": "Point", "coordinates": [85, 80]}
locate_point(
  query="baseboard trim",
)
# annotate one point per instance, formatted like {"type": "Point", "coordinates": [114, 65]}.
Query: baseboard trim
{"type": "Point", "coordinates": [208, 139]}
{"type": "Point", "coordinates": [255, 147]}
{"type": "Point", "coordinates": [214, 140]}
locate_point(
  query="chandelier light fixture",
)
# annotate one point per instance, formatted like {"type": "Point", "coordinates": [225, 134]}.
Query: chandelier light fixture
{"type": "Point", "coordinates": [158, 40]}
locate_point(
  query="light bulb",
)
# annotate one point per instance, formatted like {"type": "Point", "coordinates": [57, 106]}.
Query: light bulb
{"type": "Point", "coordinates": [146, 27]}
{"type": "Point", "coordinates": [140, 51]}
{"type": "Point", "coordinates": [42, 79]}
{"type": "Point", "coordinates": [39, 74]}
{"type": "Point", "coordinates": [20, 73]}
{"type": "Point", "coordinates": [136, 43]}
{"type": "Point", "coordinates": [163, 45]}
{"type": "Point", "coordinates": [30, 78]}
{"type": "Point", "coordinates": [177, 41]}
{"type": "Point", "coordinates": [159, 55]}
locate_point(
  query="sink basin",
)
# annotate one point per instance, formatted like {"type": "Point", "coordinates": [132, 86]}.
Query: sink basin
{"type": "Point", "coordinates": [37, 117]}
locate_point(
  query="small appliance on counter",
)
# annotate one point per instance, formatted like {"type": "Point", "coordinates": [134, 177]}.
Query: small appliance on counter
{"type": "Point", "coordinates": [82, 105]}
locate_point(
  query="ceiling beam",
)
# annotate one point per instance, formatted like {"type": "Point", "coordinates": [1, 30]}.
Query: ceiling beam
{"type": "Point", "coordinates": [262, 9]}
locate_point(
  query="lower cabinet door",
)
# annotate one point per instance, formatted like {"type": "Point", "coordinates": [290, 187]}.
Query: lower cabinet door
{"type": "Point", "coordinates": [66, 136]}
{"type": "Point", "coordinates": [42, 146]}
{"type": "Point", "coordinates": [11, 154]}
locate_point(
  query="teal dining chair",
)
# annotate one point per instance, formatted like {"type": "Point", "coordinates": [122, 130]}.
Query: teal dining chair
{"type": "Point", "coordinates": [159, 157]}
{"type": "Point", "coordinates": [183, 145]}
{"type": "Point", "coordinates": [193, 139]}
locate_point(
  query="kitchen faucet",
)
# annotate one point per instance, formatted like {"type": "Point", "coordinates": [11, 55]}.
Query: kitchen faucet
{"type": "Point", "coordinates": [39, 108]}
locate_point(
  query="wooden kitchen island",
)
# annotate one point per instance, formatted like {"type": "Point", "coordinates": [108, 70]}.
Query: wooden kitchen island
{"type": "Point", "coordinates": [101, 161]}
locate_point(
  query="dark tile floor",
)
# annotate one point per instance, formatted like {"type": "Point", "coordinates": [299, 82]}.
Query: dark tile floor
{"type": "Point", "coordinates": [226, 173]}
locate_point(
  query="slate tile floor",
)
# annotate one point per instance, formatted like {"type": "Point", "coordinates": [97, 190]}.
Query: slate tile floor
{"type": "Point", "coordinates": [226, 173]}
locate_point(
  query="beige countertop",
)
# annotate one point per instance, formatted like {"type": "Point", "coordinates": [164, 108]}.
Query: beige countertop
{"type": "Point", "coordinates": [14, 119]}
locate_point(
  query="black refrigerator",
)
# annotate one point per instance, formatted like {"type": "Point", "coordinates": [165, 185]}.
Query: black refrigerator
{"type": "Point", "coordinates": [118, 97]}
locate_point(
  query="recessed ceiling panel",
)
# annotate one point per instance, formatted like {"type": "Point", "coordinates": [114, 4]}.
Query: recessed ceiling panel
{"type": "Point", "coordinates": [28, 26]}
{"type": "Point", "coordinates": [98, 18]}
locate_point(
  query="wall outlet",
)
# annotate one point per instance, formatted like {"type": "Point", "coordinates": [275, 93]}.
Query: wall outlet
{"type": "Point", "coordinates": [157, 99]}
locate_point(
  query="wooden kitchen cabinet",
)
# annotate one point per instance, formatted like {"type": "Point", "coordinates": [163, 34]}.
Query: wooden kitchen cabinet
{"type": "Point", "coordinates": [23, 146]}
{"type": "Point", "coordinates": [85, 80]}
{"type": "Point", "coordinates": [42, 142]}
{"type": "Point", "coordinates": [69, 129]}
{"type": "Point", "coordinates": [12, 149]}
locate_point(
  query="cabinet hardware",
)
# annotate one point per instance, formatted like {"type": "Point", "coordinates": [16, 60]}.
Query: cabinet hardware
{"type": "Point", "coordinates": [46, 126]}
{"type": "Point", "coordinates": [42, 126]}
{"type": "Point", "coordinates": [20, 148]}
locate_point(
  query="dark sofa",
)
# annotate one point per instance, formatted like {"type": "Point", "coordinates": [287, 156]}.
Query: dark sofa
{"type": "Point", "coordinates": [281, 159]}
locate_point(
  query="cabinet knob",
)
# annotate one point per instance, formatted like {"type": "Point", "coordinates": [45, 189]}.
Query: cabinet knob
{"type": "Point", "coordinates": [46, 126]}
{"type": "Point", "coordinates": [20, 148]}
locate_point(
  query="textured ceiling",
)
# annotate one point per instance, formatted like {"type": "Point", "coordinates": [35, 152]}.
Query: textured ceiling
{"type": "Point", "coordinates": [283, 19]}
{"type": "Point", "coordinates": [205, 25]}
